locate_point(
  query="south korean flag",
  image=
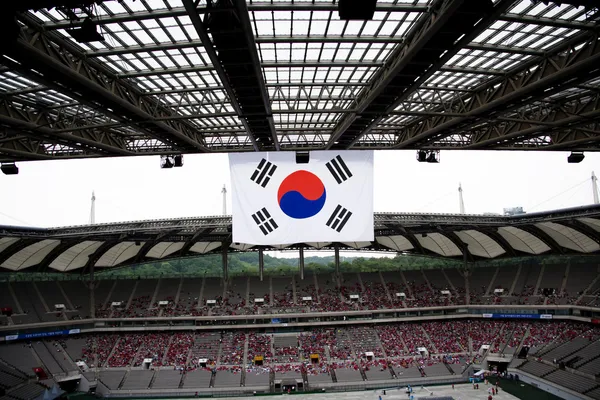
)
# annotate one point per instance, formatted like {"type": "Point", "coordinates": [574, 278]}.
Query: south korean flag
{"type": "Point", "coordinates": [277, 200]}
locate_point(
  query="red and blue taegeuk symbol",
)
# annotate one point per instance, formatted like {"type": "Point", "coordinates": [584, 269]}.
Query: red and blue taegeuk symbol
{"type": "Point", "coordinates": [301, 195]}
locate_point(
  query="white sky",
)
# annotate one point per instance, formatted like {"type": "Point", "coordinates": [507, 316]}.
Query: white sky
{"type": "Point", "coordinates": [57, 193]}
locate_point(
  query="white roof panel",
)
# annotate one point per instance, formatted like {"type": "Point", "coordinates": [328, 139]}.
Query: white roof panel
{"type": "Point", "coordinates": [592, 222]}
{"type": "Point", "coordinates": [357, 245]}
{"type": "Point", "coordinates": [205, 247]}
{"type": "Point", "coordinates": [568, 237]}
{"type": "Point", "coordinates": [439, 244]}
{"type": "Point", "coordinates": [7, 241]}
{"type": "Point", "coordinates": [318, 245]}
{"type": "Point", "coordinates": [523, 241]}
{"type": "Point", "coordinates": [76, 256]}
{"type": "Point", "coordinates": [398, 243]}
{"type": "Point", "coordinates": [119, 253]}
{"type": "Point", "coordinates": [164, 249]}
{"type": "Point", "coordinates": [30, 255]}
{"type": "Point", "coordinates": [480, 245]}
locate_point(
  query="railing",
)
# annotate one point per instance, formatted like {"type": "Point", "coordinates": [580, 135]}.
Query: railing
{"type": "Point", "coordinates": [299, 320]}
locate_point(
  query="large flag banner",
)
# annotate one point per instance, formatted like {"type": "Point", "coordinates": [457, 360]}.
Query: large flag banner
{"type": "Point", "coordinates": [278, 201]}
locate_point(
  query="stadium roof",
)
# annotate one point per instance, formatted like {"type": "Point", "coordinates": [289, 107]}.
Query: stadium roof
{"type": "Point", "coordinates": [568, 231]}
{"type": "Point", "coordinates": [185, 76]}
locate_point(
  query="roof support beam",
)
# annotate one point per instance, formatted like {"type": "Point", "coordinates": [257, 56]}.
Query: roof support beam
{"type": "Point", "coordinates": [556, 23]}
{"type": "Point", "coordinates": [554, 74]}
{"type": "Point", "coordinates": [202, 33]}
{"type": "Point", "coordinates": [395, 81]}
{"type": "Point", "coordinates": [63, 63]}
{"type": "Point", "coordinates": [46, 125]}
{"type": "Point", "coordinates": [560, 123]}
{"type": "Point", "coordinates": [263, 6]}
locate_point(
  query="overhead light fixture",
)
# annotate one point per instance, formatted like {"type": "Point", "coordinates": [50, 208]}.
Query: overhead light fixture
{"type": "Point", "coordinates": [178, 160]}
{"type": "Point", "coordinates": [171, 161]}
{"type": "Point", "coordinates": [429, 156]}
{"type": "Point", "coordinates": [576, 157]}
{"type": "Point", "coordinates": [362, 10]}
{"type": "Point", "coordinates": [87, 33]}
{"type": "Point", "coordinates": [9, 168]}
{"type": "Point", "coordinates": [302, 157]}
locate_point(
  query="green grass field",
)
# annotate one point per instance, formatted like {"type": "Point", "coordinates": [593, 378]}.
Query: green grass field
{"type": "Point", "coordinates": [524, 391]}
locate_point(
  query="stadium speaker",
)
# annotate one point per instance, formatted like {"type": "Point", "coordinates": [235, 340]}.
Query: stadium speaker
{"type": "Point", "coordinates": [421, 156]}
{"type": "Point", "coordinates": [9, 168]}
{"type": "Point", "coordinates": [178, 159]}
{"type": "Point", "coordinates": [362, 10]}
{"type": "Point", "coordinates": [87, 33]}
{"type": "Point", "coordinates": [575, 157]}
{"type": "Point", "coordinates": [302, 157]}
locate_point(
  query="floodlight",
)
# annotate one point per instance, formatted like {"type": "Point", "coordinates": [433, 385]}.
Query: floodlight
{"type": "Point", "coordinates": [166, 162]}
{"type": "Point", "coordinates": [9, 168]}
{"type": "Point", "coordinates": [178, 159]}
{"type": "Point", "coordinates": [575, 157]}
{"type": "Point", "coordinates": [362, 10]}
{"type": "Point", "coordinates": [429, 156]}
{"type": "Point", "coordinates": [302, 157]}
{"type": "Point", "coordinates": [433, 157]}
{"type": "Point", "coordinates": [87, 33]}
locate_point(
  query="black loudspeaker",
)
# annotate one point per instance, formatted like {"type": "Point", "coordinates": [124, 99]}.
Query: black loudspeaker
{"type": "Point", "coordinates": [361, 10]}
{"type": "Point", "coordinates": [302, 157]}
{"type": "Point", "coordinates": [178, 160]}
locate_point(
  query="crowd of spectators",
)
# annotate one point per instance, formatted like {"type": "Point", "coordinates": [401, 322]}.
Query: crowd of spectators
{"type": "Point", "coordinates": [179, 349]}
{"type": "Point", "coordinates": [154, 346]}
{"type": "Point", "coordinates": [126, 350]}
{"type": "Point", "coordinates": [333, 295]}
{"type": "Point", "coordinates": [259, 345]}
{"type": "Point", "coordinates": [315, 342]}
{"type": "Point", "coordinates": [97, 349]}
{"type": "Point", "coordinates": [393, 345]}
{"type": "Point", "coordinates": [232, 348]}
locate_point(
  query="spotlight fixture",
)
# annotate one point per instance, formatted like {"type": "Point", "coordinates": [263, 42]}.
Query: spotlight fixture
{"type": "Point", "coordinates": [9, 168]}
{"type": "Point", "coordinates": [576, 157]}
{"type": "Point", "coordinates": [362, 10]}
{"type": "Point", "coordinates": [87, 33]}
{"type": "Point", "coordinates": [429, 156]}
{"type": "Point", "coordinates": [302, 157]}
{"type": "Point", "coordinates": [178, 160]}
{"type": "Point", "coordinates": [171, 161]}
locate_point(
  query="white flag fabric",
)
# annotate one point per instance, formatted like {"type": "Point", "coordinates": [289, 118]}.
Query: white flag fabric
{"type": "Point", "coordinates": [278, 201]}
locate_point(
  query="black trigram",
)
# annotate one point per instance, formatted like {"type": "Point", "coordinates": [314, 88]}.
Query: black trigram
{"type": "Point", "coordinates": [265, 222]}
{"type": "Point", "coordinates": [263, 173]}
{"type": "Point", "coordinates": [339, 169]}
{"type": "Point", "coordinates": [338, 218]}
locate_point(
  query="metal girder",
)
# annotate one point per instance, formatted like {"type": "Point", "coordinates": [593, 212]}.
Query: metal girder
{"type": "Point", "coordinates": [569, 124]}
{"type": "Point", "coordinates": [56, 126]}
{"type": "Point", "coordinates": [242, 13]}
{"type": "Point", "coordinates": [262, 6]}
{"type": "Point", "coordinates": [554, 22]}
{"type": "Point", "coordinates": [202, 33]}
{"type": "Point", "coordinates": [553, 74]}
{"type": "Point", "coordinates": [401, 59]}
{"type": "Point", "coordinates": [65, 64]}
{"type": "Point", "coordinates": [260, 39]}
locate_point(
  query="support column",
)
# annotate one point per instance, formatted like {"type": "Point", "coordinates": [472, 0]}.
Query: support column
{"type": "Point", "coordinates": [261, 263]}
{"type": "Point", "coordinates": [301, 262]}
{"type": "Point", "coordinates": [224, 261]}
{"type": "Point", "coordinates": [337, 260]}
{"type": "Point", "coordinates": [467, 275]}
{"type": "Point", "coordinates": [92, 293]}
